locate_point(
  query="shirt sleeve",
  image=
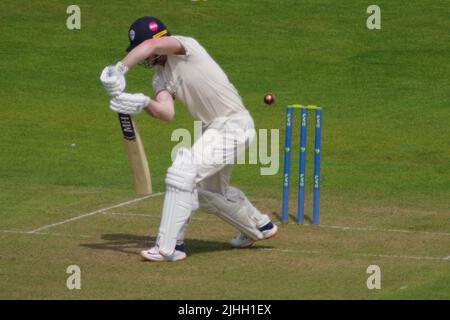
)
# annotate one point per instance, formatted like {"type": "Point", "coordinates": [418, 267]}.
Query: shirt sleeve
{"type": "Point", "coordinates": [191, 46]}
{"type": "Point", "coordinates": [158, 84]}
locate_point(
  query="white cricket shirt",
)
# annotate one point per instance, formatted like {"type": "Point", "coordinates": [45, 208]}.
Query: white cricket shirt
{"type": "Point", "coordinates": [199, 83]}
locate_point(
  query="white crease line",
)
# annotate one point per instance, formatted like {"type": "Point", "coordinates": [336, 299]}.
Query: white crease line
{"type": "Point", "coordinates": [94, 212]}
{"type": "Point", "coordinates": [46, 234]}
{"type": "Point", "coordinates": [361, 254]}
{"type": "Point", "coordinates": [150, 216]}
{"type": "Point", "coordinates": [400, 256]}
{"type": "Point", "coordinates": [130, 214]}
{"type": "Point", "coordinates": [383, 230]}
{"type": "Point", "coordinates": [345, 228]}
{"type": "Point", "coordinates": [266, 249]}
{"type": "Point", "coordinates": [290, 250]}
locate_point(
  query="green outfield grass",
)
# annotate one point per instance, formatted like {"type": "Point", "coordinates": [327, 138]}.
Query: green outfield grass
{"type": "Point", "coordinates": [386, 151]}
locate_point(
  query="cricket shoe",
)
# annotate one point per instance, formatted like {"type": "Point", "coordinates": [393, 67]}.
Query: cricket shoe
{"type": "Point", "coordinates": [153, 254]}
{"type": "Point", "coordinates": [242, 241]}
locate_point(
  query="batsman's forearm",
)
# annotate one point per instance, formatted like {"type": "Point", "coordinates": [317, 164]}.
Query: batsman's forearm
{"type": "Point", "coordinates": [138, 54]}
{"type": "Point", "coordinates": [161, 110]}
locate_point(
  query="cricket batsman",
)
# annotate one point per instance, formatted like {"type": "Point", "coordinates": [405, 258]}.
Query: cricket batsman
{"type": "Point", "coordinates": [199, 176]}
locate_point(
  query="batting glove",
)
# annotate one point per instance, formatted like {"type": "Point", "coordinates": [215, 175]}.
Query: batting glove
{"type": "Point", "coordinates": [129, 103]}
{"type": "Point", "coordinates": [113, 79]}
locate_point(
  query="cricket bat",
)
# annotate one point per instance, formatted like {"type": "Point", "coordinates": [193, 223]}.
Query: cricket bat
{"type": "Point", "coordinates": [136, 155]}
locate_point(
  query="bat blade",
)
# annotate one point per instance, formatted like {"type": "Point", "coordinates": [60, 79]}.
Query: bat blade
{"type": "Point", "coordinates": [136, 155]}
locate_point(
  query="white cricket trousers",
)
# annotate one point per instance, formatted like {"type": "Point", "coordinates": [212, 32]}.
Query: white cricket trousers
{"type": "Point", "coordinates": [216, 151]}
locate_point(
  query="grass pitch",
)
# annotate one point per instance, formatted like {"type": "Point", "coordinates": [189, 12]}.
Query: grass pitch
{"type": "Point", "coordinates": [385, 168]}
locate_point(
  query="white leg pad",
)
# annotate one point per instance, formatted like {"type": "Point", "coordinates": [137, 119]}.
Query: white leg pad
{"type": "Point", "coordinates": [182, 233]}
{"type": "Point", "coordinates": [179, 202]}
{"type": "Point", "coordinates": [235, 209]}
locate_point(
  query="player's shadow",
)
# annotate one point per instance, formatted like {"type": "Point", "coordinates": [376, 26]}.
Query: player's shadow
{"type": "Point", "coordinates": [291, 216]}
{"type": "Point", "coordinates": [133, 244]}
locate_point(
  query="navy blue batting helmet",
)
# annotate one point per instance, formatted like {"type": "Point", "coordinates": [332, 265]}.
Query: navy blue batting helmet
{"type": "Point", "coordinates": [145, 28]}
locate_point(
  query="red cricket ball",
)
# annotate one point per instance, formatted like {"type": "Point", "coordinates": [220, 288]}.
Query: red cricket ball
{"type": "Point", "coordinates": [269, 98]}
